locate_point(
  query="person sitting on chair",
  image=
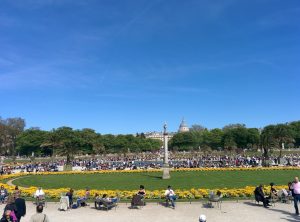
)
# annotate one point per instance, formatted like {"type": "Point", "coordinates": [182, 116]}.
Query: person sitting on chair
{"type": "Point", "coordinates": [170, 196]}
{"type": "Point", "coordinates": [291, 189]}
{"type": "Point", "coordinates": [98, 201]}
{"type": "Point", "coordinates": [109, 200]}
{"type": "Point", "coordinates": [3, 194]}
{"type": "Point", "coordinates": [39, 193]}
{"type": "Point", "coordinates": [273, 191]}
{"type": "Point", "coordinates": [260, 196]}
{"type": "Point", "coordinates": [141, 191]}
{"type": "Point", "coordinates": [81, 201]}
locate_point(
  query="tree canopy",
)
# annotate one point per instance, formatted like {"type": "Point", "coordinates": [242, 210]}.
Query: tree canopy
{"type": "Point", "coordinates": [68, 142]}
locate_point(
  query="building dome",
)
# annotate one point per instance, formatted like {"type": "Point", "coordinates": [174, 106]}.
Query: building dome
{"type": "Point", "coordinates": [183, 127]}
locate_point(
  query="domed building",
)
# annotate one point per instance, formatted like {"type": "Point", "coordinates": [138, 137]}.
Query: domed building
{"type": "Point", "coordinates": [183, 127]}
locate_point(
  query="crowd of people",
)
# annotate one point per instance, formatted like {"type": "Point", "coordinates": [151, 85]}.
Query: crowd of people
{"type": "Point", "coordinates": [151, 161]}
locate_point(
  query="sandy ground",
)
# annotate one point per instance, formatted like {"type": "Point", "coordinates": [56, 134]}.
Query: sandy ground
{"type": "Point", "coordinates": [184, 212]}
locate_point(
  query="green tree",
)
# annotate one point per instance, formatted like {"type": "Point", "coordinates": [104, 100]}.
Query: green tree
{"type": "Point", "coordinates": [184, 141]}
{"type": "Point", "coordinates": [10, 128]}
{"type": "Point", "coordinates": [253, 139]}
{"type": "Point", "coordinates": [283, 135]}
{"type": "Point", "coordinates": [268, 140]}
{"type": "Point", "coordinates": [30, 141]}
{"type": "Point", "coordinates": [295, 129]}
{"type": "Point", "coordinates": [197, 127]}
{"type": "Point", "coordinates": [65, 141]}
{"type": "Point", "coordinates": [215, 138]}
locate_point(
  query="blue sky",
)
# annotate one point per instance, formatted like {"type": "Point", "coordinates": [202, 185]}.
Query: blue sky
{"type": "Point", "coordinates": [128, 66]}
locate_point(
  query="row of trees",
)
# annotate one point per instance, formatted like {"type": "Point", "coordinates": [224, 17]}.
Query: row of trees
{"type": "Point", "coordinates": [238, 136]}
{"type": "Point", "coordinates": [14, 139]}
{"type": "Point", "coordinates": [68, 142]}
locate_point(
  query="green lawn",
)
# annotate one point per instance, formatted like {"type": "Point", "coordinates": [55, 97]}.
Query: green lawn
{"type": "Point", "coordinates": [152, 181]}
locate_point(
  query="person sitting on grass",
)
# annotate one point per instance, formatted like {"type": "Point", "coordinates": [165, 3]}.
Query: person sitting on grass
{"type": "Point", "coordinates": [260, 196]}
{"type": "Point", "coordinates": [170, 196]}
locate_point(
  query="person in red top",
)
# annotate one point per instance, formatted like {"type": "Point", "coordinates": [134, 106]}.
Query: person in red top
{"type": "Point", "coordinates": [296, 191]}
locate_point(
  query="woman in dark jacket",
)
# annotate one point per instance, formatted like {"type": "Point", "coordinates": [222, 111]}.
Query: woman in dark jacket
{"type": "Point", "coordinates": [70, 195]}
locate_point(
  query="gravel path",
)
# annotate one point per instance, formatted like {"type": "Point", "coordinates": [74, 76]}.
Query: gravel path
{"type": "Point", "coordinates": [10, 182]}
{"type": "Point", "coordinates": [231, 212]}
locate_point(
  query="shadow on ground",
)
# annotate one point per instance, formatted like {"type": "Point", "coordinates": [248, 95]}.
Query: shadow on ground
{"type": "Point", "coordinates": [152, 176]}
{"type": "Point", "coordinates": [291, 217]}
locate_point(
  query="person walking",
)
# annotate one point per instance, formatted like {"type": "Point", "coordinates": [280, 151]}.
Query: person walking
{"type": "Point", "coordinates": [39, 216]}
{"type": "Point", "coordinates": [296, 190]}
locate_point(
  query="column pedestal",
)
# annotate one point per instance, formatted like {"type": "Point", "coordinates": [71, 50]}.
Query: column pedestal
{"type": "Point", "coordinates": [166, 172]}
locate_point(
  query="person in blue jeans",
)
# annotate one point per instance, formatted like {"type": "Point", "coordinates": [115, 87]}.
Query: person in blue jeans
{"type": "Point", "coordinates": [3, 194]}
{"type": "Point", "coordinates": [170, 196]}
{"type": "Point", "coordinates": [296, 191]}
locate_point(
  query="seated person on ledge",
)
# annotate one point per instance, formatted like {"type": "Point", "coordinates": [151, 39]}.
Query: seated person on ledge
{"type": "Point", "coordinates": [260, 196]}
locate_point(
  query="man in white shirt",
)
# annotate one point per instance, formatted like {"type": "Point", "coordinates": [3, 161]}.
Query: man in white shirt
{"type": "Point", "coordinates": [170, 196]}
{"type": "Point", "coordinates": [39, 193]}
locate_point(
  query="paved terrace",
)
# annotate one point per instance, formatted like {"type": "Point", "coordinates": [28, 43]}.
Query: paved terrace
{"type": "Point", "coordinates": [245, 211]}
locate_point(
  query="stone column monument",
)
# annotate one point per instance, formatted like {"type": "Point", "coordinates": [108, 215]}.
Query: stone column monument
{"type": "Point", "coordinates": [166, 168]}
